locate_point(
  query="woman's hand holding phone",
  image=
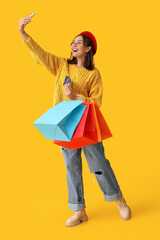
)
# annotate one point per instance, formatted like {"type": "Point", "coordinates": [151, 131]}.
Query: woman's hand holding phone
{"type": "Point", "coordinates": [22, 23]}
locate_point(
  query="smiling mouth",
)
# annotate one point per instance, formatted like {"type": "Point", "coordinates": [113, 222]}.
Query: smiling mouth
{"type": "Point", "coordinates": [75, 50]}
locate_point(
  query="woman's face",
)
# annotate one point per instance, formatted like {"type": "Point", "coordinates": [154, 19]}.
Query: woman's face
{"type": "Point", "coordinates": [77, 47]}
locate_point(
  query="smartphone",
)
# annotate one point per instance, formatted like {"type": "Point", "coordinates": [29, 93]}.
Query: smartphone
{"type": "Point", "coordinates": [32, 14]}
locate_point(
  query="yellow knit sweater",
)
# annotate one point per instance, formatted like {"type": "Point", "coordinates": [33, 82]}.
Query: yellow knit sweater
{"type": "Point", "coordinates": [86, 83]}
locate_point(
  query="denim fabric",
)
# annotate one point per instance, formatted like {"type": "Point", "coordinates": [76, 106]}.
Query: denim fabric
{"type": "Point", "coordinates": [98, 165]}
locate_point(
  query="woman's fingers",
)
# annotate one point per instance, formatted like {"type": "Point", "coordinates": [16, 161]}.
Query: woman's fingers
{"type": "Point", "coordinates": [27, 17]}
{"type": "Point", "coordinates": [67, 90]}
{"type": "Point", "coordinates": [22, 21]}
{"type": "Point", "coordinates": [27, 21]}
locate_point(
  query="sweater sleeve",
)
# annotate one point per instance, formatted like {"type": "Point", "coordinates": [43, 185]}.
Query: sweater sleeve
{"type": "Point", "coordinates": [96, 91]}
{"type": "Point", "coordinates": [42, 57]}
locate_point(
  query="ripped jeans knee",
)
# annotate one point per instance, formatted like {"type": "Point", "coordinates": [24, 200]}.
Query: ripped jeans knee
{"type": "Point", "coordinates": [99, 172]}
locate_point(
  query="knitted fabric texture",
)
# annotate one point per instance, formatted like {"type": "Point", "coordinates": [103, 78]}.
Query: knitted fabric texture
{"type": "Point", "coordinates": [86, 83]}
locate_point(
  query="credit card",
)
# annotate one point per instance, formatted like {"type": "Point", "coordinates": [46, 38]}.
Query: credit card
{"type": "Point", "coordinates": [67, 81]}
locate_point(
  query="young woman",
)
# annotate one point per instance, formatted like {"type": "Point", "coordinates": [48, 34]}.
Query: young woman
{"type": "Point", "coordinates": [87, 86]}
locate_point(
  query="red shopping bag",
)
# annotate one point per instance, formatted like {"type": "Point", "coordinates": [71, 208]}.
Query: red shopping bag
{"type": "Point", "coordinates": [103, 130]}
{"type": "Point", "coordinates": [91, 129]}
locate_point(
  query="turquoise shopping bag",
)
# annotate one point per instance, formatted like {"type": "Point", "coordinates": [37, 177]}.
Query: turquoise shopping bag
{"type": "Point", "coordinates": [60, 121]}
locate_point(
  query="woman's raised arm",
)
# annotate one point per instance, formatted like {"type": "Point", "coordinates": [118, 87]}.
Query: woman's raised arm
{"type": "Point", "coordinates": [51, 62]}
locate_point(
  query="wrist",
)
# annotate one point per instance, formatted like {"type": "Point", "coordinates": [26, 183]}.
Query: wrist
{"type": "Point", "coordinates": [75, 96]}
{"type": "Point", "coordinates": [79, 97]}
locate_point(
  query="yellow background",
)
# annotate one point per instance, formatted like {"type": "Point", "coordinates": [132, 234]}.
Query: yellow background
{"type": "Point", "coordinates": [34, 195]}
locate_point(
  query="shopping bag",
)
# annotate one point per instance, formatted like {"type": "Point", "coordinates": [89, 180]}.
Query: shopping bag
{"type": "Point", "coordinates": [85, 133]}
{"type": "Point", "coordinates": [88, 130]}
{"type": "Point", "coordinates": [60, 121]}
{"type": "Point", "coordinates": [103, 130]}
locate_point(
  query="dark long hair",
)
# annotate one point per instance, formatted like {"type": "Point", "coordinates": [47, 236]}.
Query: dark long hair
{"type": "Point", "coordinates": [88, 63]}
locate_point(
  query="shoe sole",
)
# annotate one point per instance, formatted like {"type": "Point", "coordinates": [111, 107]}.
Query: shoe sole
{"type": "Point", "coordinates": [82, 219]}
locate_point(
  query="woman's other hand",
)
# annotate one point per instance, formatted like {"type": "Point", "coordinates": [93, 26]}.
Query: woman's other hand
{"type": "Point", "coordinates": [68, 93]}
{"type": "Point", "coordinates": [24, 20]}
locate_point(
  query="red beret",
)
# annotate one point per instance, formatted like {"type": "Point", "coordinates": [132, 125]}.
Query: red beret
{"type": "Point", "coordinates": [92, 37]}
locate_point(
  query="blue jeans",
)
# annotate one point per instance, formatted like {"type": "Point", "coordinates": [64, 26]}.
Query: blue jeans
{"type": "Point", "coordinates": [98, 165]}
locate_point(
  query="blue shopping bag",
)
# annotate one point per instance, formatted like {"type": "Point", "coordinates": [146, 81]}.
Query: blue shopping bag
{"type": "Point", "coordinates": [60, 121]}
